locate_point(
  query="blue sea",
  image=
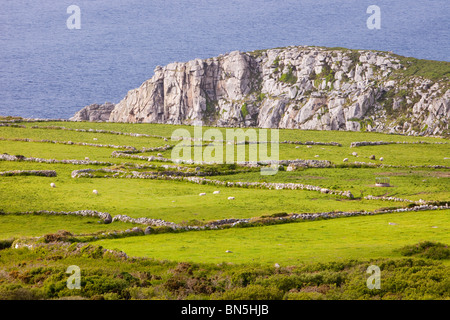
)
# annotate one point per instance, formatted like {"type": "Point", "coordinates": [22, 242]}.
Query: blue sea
{"type": "Point", "coordinates": [50, 71]}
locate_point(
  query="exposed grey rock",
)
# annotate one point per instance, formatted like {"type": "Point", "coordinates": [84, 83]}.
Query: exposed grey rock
{"type": "Point", "coordinates": [148, 230]}
{"type": "Point", "coordinates": [94, 112]}
{"type": "Point", "coordinates": [294, 87]}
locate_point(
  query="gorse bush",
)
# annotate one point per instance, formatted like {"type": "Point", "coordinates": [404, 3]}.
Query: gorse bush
{"type": "Point", "coordinates": [40, 273]}
{"type": "Point", "coordinates": [427, 249]}
{"type": "Point", "coordinates": [252, 292]}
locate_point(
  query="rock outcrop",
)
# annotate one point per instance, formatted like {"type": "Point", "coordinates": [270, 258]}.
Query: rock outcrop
{"type": "Point", "coordinates": [94, 112]}
{"type": "Point", "coordinates": [294, 87]}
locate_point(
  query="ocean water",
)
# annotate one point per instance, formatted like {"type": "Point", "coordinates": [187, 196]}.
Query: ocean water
{"type": "Point", "coordinates": [50, 71]}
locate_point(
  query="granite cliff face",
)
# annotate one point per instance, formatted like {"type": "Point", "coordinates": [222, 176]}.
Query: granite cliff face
{"type": "Point", "coordinates": [294, 87]}
{"type": "Point", "coordinates": [94, 112]}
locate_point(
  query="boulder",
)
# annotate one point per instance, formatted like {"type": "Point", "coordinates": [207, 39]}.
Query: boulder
{"type": "Point", "coordinates": [94, 112]}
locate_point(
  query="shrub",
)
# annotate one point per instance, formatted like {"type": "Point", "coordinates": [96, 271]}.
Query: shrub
{"type": "Point", "coordinates": [288, 77]}
{"type": "Point", "coordinates": [61, 235]}
{"type": "Point", "coordinates": [244, 110]}
{"type": "Point", "coordinates": [252, 292]}
{"type": "Point", "coordinates": [304, 296]}
{"type": "Point", "coordinates": [17, 292]}
{"type": "Point", "coordinates": [95, 285]}
{"type": "Point", "coordinates": [427, 249]}
{"type": "Point", "coordinates": [246, 276]}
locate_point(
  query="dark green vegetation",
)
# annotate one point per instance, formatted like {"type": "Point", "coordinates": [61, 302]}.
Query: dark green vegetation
{"type": "Point", "coordinates": [427, 249]}
{"type": "Point", "coordinates": [266, 258]}
{"type": "Point", "coordinates": [429, 69]}
{"type": "Point", "coordinates": [41, 274]}
{"type": "Point", "coordinates": [288, 77]}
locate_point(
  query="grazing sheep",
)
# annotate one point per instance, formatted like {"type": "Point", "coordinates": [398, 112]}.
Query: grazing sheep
{"type": "Point", "coordinates": [52, 185]}
{"type": "Point", "coordinates": [277, 265]}
{"type": "Point", "coordinates": [216, 192]}
{"type": "Point", "coordinates": [345, 160]}
{"type": "Point", "coordinates": [86, 158]}
{"type": "Point", "coordinates": [354, 154]}
{"type": "Point", "coordinates": [95, 192]}
{"type": "Point", "coordinates": [228, 251]}
{"type": "Point", "coordinates": [202, 194]}
{"type": "Point", "coordinates": [95, 139]}
{"type": "Point", "coordinates": [372, 157]}
{"type": "Point", "coordinates": [381, 159]}
{"type": "Point", "coordinates": [230, 198]}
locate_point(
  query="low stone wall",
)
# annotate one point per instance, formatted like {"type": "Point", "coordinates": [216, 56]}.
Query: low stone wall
{"type": "Point", "coordinates": [161, 148]}
{"type": "Point", "coordinates": [296, 162]}
{"type": "Point", "coordinates": [43, 173]}
{"type": "Point", "coordinates": [12, 125]}
{"type": "Point", "coordinates": [224, 223]}
{"type": "Point", "coordinates": [8, 157]}
{"type": "Point", "coordinates": [101, 131]}
{"type": "Point", "coordinates": [146, 221]}
{"type": "Point", "coordinates": [379, 143]}
{"type": "Point", "coordinates": [69, 143]}
{"type": "Point", "coordinates": [370, 197]}
{"type": "Point", "coordinates": [217, 224]}
{"type": "Point", "coordinates": [33, 120]}
{"type": "Point", "coordinates": [201, 180]}
{"type": "Point", "coordinates": [106, 217]}
{"type": "Point", "coordinates": [90, 173]}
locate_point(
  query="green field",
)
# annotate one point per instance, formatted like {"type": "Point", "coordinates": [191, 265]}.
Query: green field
{"type": "Point", "coordinates": [288, 244]}
{"type": "Point", "coordinates": [416, 171]}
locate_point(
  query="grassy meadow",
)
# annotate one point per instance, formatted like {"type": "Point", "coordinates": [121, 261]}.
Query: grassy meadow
{"type": "Point", "coordinates": [232, 262]}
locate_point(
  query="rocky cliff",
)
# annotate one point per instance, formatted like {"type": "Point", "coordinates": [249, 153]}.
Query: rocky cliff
{"type": "Point", "coordinates": [94, 112]}
{"type": "Point", "coordinates": [300, 88]}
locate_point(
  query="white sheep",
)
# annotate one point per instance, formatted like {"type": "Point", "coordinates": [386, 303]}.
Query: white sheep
{"type": "Point", "coordinates": [216, 192]}
{"type": "Point", "coordinates": [202, 194]}
{"type": "Point", "coordinates": [95, 192]}
{"type": "Point", "coordinates": [381, 159]}
{"type": "Point", "coordinates": [230, 198]}
{"type": "Point", "coordinates": [345, 160]}
{"type": "Point", "coordinates": [52, 185]}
